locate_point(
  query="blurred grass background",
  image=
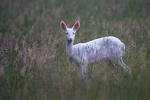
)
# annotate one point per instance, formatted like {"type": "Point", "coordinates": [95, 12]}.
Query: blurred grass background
{"type": "Point", "coordinates": [33, 62]}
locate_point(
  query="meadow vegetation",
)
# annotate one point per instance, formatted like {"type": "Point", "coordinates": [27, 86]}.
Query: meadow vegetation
{"type": "Point", "coordinates": [33, 61]}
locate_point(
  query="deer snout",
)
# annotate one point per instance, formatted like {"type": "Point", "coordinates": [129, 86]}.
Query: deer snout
{"type": "Point", "coordinates": [70, 40]}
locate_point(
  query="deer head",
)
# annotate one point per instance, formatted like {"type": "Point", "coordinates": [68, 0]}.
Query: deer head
{"type": "Point", "coordinates": [70, 32]}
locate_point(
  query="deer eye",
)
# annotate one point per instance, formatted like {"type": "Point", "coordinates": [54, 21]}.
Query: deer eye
{"type": "Point", "coordinates": [66, 33]}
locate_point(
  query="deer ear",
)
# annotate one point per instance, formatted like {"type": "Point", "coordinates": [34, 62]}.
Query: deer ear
{"type": "Point", "coordinates": [63, 26]}
{"type": "Point", "coordinates": [76, 26]}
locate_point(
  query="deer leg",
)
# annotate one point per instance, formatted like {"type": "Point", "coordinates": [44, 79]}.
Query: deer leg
{"type": "Point", "coordinates": [113, 65]}
{"type": "Point", "coordinates": [84, 69]}
{"type": "Point", "coordinates": [123, 65]}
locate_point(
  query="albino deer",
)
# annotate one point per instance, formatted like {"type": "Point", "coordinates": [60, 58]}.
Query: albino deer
{"type": "Point", "coordinates": [82, 54]}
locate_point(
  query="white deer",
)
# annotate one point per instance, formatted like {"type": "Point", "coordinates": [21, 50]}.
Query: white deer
{"type": "Point", "coordinates": [82, 54]}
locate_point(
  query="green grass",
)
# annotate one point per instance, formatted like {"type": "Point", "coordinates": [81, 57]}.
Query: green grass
{"type": "Point", "coordinates": [33, 61]}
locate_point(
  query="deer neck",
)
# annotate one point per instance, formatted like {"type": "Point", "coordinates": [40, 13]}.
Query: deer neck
{"type": "Point", "coordinates": [69, 46]}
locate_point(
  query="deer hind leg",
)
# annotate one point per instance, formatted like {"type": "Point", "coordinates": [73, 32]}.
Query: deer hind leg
{"type": "Point", "coordinates": [123, 65]}
{"type": "Point", "coordinates": [112, 64]}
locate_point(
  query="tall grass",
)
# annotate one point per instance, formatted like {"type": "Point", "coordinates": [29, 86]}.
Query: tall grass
{"type": "Point", "coordinates": [33, 62]}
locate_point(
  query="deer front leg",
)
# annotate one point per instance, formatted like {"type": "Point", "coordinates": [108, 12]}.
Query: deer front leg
{"type": "Point", "coordinates": [84, 69]}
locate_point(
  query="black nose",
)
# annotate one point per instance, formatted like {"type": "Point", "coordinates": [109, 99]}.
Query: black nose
{"type": "Point", "coordinates": [70, 40]}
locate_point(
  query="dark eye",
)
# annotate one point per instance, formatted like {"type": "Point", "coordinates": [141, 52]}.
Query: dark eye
{"type": "Point", "coordinates": [66, 33]}
{"type": "Point", "coordinates": [73, 33]}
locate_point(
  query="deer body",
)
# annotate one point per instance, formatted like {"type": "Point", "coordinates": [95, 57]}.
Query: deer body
{"type": "Point", "coordinates": [83, 54]}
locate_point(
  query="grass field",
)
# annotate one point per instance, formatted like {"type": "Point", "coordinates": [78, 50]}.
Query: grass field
{"type": "Point", "coordinates": [33, 62]}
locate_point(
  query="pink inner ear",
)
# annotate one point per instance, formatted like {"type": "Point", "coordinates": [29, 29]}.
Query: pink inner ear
{"type": "Point", "coordinates": [76, 26]}
{"type": "Point", "coordinates": [63, 26]}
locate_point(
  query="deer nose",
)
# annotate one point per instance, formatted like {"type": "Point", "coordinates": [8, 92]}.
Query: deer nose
{"type": "Point", "coordinates": [70, 40]}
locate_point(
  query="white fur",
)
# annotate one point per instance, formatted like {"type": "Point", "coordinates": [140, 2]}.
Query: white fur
{"type": "Point", "coordinates": [105, 48]}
